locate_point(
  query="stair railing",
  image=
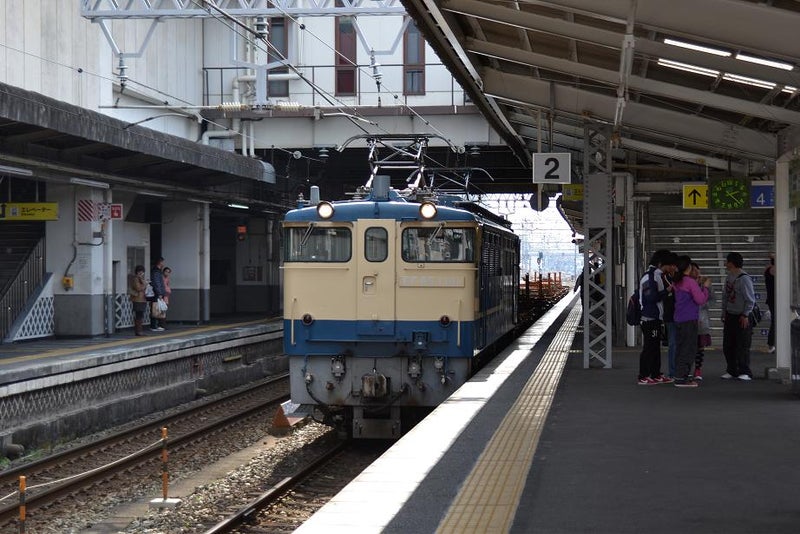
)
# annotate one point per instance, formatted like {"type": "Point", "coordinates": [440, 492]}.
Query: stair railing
{"type": "Point", "coordinates": [17, 293]}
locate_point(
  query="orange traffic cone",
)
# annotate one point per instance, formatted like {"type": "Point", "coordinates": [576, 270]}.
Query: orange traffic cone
{"type": "Point", "coordinates": [280, 424]}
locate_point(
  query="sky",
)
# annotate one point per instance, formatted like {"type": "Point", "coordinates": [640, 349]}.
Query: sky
{"type": "Point", "coordinates": [545, 233]}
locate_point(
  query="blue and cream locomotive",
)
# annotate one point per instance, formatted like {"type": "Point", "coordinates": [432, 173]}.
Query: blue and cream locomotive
{"type": "Point", "coordinates": [389, 299]}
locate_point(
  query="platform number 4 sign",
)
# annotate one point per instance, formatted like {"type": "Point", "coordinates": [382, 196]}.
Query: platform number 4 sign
{"type": "Point", "coordinates": [552, 168]}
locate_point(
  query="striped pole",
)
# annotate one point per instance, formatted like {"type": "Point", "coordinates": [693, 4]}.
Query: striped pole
{"type": "Point", "coordinates": [164, 466]}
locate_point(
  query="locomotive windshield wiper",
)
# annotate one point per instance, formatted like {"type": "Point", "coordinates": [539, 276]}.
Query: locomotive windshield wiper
{"type": "Point", "coordinates": [307, 234]}
{"type": "Point", "coordinates": [436, 232]}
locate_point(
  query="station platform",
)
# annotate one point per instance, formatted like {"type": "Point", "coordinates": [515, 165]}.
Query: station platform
{"type": "Point", "coordinates": [537, 444]}
{"type": "Point", "coordinates": [56, 389]}
{"type": "Point", "coordinates": [42, 357]}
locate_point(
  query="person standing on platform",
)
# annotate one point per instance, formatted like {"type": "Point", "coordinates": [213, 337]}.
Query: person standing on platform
{"type": "Point", "coordinates": [167, 274]}
{"type": "Point", "coordinates": [136, 287]}
{"type": "Point", "coordinates": [703, 322]}
{"type": "Point", "coordinates": [651, 295]}
{"type": "Point", "coordinates": [769, 281]}
{"type": "Point", "coordinates": [157, 281]}
{"type": "Point", "coordinates": [668, 268]}
{"type": "Point", "coordinates": [689, 296]}
{"type": "Point", "coordinates": [737, 333]}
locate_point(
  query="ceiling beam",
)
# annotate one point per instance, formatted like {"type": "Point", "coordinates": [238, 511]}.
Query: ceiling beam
{"type": "Point", "coordinates": [611, 39]}
{"type": "Point", "coordinates": [636, 83]}
{"type": "Point", "coordinates": [750, 26]}
{"type": "Point", "coordinates": [527, 128]}
{"type": "Point", "coordinates": [724, 138]}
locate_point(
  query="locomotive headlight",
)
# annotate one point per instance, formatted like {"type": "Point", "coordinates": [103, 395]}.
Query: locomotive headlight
{"type": "Point", "coordinates": [427, 210]}
{"type": "Point", "coordinates": [325, 210]}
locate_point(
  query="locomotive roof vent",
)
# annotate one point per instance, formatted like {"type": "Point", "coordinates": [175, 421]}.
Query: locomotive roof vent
{"type": "Point", "coordinates": [380, 188]}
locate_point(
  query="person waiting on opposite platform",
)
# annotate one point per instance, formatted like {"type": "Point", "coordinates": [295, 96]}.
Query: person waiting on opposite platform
{"type": "Point", "coordinates": [136, 288]}
{"type": "Point", "coordinates": [167, 275]}
{"type": "Point", "coordinates": [157, 281]}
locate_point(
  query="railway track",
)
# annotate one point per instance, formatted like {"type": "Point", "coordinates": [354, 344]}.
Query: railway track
{"type": "Point", "coordinates": [285, 506]}
{"type": "Point", "coordinates": [125, 453]}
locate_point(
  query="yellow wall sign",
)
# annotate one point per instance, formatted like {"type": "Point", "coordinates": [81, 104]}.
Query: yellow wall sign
{"type": "Point", "coordinates": [695, 196]}
{"type": "Point", "coordinates": [28, 211]}
{"type": "Point", "coordinates": [572, 192]}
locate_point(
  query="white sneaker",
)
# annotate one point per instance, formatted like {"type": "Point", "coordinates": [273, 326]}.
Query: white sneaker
{"type": "Point", "coordinates": [771, 349]}
{"type": "Point", "coordinates": [159, 329]}
{"type": "Point", "coordinates": [726, 376]}
{"type": "Point", "coordinates": [744, 377]}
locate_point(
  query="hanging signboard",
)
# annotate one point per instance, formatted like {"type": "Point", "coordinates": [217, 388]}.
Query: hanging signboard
{"type": "Point", "coordinates": [552, 168]}
{"type": "Point", "coordinates": [28, 211]}
{"type": "Point", "coordinates": [762, 194]}
{"type": "Point", "coordinates": [695, 196]}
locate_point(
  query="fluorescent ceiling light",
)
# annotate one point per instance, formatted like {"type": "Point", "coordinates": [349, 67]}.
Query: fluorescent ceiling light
{"type": "Point", "coordinates": [767, 62]}
{"type": "Point", "coordinates": [198, 200]}
{"type": "Point", "coordinates": [238, 206]}
{"type": "Point", "coordinates": [5, 169]}
{"type": "Point", "coordinates": [687, 67]}
{"type": "Point", "coordinates": [153, 194]}
{"type": "Point", "coordinates": [88, 183]}
{"type": "Point", "coordinates": [698, 48]}
{"type": "Point", "coordinates": [748, 81]}
{"type": "Point", "coordinates": [789, 89]}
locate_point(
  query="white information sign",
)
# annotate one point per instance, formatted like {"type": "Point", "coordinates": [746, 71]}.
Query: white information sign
{"type": "Point", "coordinates": [552, 168]}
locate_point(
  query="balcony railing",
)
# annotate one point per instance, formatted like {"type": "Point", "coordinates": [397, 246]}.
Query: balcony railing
{"type": "Point", "coordinates": [441, 89]}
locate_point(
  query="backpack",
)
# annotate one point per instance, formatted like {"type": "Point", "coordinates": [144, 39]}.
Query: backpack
{"type": "Point", "coordinates": [633, 315]}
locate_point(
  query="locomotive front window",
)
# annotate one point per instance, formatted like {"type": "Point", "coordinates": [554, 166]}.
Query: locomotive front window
{"type": "Point", "coordinates": [376, 244]}
{"type": "Point", "coordinates": [438, 244]}
{"type": "Point", "coordinates": [318, 244]}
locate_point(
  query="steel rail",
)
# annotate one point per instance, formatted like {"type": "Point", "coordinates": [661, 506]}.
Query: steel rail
{"type": "Point", "coordinates": [8, 513]}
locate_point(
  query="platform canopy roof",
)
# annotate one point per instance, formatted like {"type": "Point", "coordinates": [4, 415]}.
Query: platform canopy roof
{"type": "Point", "coordinates": [679, 86]}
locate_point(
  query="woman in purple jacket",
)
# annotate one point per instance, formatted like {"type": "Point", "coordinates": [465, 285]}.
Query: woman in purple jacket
{"type": "Point", "coordinates": [689, 296]}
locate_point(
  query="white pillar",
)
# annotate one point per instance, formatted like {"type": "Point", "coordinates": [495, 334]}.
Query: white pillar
{"type": "Point", "coordinates": [784, 215]}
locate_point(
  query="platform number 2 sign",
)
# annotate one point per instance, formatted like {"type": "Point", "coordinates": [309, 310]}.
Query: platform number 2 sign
{"type": "Point", "coordinates": [552, 168]}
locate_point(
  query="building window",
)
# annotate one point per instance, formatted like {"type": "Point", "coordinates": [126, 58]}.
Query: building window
{"type": "Point", "coordinates": [279, 50]}
{"type": "Point", "coordinates": [345, 55]}
{"type": "Point", "coordinates": [413, 61]}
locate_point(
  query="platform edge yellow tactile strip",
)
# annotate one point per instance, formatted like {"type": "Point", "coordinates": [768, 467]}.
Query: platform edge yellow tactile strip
{"type": "Point", "coordinates": [490, 495]}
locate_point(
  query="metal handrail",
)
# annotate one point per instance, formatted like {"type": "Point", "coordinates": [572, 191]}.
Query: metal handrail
{"type": "Point", "coordinates": [17, 293]}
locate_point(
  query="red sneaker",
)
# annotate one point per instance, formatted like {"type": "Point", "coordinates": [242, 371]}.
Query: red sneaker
{"type": "Point", "coordinates": [661, 379]}
{"type": "Point", "coordinates": [698, 374]}
{"type": "Point", "coordinates": [647, 381]}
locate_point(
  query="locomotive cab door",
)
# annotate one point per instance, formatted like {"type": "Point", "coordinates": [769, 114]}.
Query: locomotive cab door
{"type": "Point", "coordinates": [375, 303]}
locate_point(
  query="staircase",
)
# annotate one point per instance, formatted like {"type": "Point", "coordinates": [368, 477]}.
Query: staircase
{"type": "Point", "coordinates": [707, 237]}
{"type": "Point", "coordinates": [22, 263]}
